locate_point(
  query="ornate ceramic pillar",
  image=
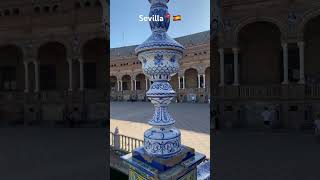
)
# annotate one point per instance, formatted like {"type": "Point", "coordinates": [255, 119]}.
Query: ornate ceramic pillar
{"type": "Point", "coordinates": [162, 152]}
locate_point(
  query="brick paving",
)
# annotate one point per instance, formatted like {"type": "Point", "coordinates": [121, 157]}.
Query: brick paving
{"type": "Point", "coordinates": [192, 119]}
{"type": "Point", "coordinates": [241, 155]}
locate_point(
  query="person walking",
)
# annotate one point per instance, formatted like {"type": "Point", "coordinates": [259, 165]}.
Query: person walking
{"type": "Point", "coordinates": [266, 114]}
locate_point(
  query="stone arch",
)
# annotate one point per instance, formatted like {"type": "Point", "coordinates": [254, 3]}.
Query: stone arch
{"type": "Point", "coordinates": [309, 15]}
{"type": "Point", "coordinates": [11, 68]}
{"type": "Point", "coordinates": [281, 26]}
{"type": "Point", "coordinates": [191, 78]}
{"type": "Point", "coordinates": [126, 82]}
{"type": "Point", "coordinates": [141, 81]}
{"type": "Point", "coordinates": [53, 65]}
{"type": "Point", "coordinates": [94, 56]}
{"type": "Point", "coordinates": [256, 38]}
{"type": "Point", "coordinates": [20, 46]}
{"type": "Point", "coordinates": [113, 82]}
{"type": "Point", "coordinates": [63, 42]}
{"type": "Point", "coordinates": [312, 43]}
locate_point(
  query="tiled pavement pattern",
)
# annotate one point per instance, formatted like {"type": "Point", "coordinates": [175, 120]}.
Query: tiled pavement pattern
{"type": "Point", "coordinates": [192, 119]}
{"type": "Point", "coordinates": [265, 156]}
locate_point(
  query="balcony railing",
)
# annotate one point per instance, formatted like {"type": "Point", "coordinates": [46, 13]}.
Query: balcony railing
{"type": "Point", "coordinates": [312, 90]}
{"type": "Point", "coordinates": [260, 91]}
{"type": "Point", "coordinates": [10, 96]}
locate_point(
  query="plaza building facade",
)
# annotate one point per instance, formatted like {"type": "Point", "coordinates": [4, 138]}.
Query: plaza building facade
{"type": "Point", "coordinates": [266, 58]}
{"type": "Point", "coordinates": [127, 81]}
{"type": "Point", "coordinates": [53, 61]}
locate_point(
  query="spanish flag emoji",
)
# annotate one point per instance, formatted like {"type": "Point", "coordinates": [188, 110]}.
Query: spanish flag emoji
{"type": "Point", "coordinates": [177, 18]}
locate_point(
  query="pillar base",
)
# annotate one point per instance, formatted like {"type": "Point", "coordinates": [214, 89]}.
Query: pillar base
{"type": "Point", "coordinates": [301, 82]}
{"type": "Point", "coordinates": [181, 166]}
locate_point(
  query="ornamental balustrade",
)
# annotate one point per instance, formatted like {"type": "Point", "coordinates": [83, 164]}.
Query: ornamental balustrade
{"type": "Point", "coordinates": [260, 91]}
{"type": "Point", "coordinates": [312, 90]}
{"type": "Point", "coordinates": [11, 96]}
{"type": "Point", "coordinates": [124, 143]}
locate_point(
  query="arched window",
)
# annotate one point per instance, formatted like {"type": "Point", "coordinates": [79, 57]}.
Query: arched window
{"type": "Point", "coordinates": [55, 8]}
{"type": "Point", "coordinates": [46, 9]}
{"type": "Point", "coordinates": [97, 4]}
{"type": "Point", "coordinates": [77, 5]}
{"type": "Point", "coordinates": [16, 11]}
{"type": "Point", "coordinates": [87, 4]}
{"type": "Point", "coordinates": [37, 9]}
{"type": "Point", "coordinates": [7, 12]}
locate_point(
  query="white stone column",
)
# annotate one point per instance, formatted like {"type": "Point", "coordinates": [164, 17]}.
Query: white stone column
{"type": "Point", "coordinates": [199, 85]}
{"type": "Point", "coordinates": [221, 52]}
{"type": "Point", "coordinates": [183, 83]}
{"type": "Point", "coordinates": [179, 82]}
{"type": "Point", "coordinates": [132, 84]}
{"type": "Point", "coordinates": [146, 83]}
{"type": "Point", "coordinates": [70, 74]}
{"type": "Point", "coordinates": [26, 76]}
{"type": "Point", "coordinates": [301, 55]}
{"type": "Point", "coordinates": [285, 63]}
{"type": "Point", "coordinates": [118, 85]}
{"type": "Point", "coordinates": [121, 85]}
{"type": "Point", "coordinates": [36, 71]}
{"type": "Point", "coordinates": [236, 66]}
{"type": "Point", "coordinates": [81, 75]}
{"type": "Point", "coordinates": [204, 80]}
{"type": "Point", "coordinates": [135, 84]}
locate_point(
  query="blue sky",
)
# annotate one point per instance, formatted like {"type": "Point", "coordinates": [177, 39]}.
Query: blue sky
{"type": "Point", "coordinates": [126, 29]}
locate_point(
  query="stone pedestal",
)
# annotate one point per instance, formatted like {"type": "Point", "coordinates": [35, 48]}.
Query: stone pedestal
{"type": "Point", "coordinates": [182, 166]}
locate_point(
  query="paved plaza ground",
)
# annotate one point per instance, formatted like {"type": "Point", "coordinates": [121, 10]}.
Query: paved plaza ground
{"type": "Point", "coordinates": [192, 119]}
{"type": "Point", "coordinates": [243, 155]}
{"type": "Point", "coordinates": [52, 154]}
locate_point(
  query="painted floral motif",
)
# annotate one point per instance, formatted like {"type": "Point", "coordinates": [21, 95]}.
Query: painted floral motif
{"type": "Point", "coordinates": [158, 60]}
{"type": "Point", "coordinates": [173, 59]}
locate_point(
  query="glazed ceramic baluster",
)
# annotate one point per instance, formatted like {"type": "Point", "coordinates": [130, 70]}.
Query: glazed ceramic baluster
{"type": "Point", "coordinates": [160, 57]}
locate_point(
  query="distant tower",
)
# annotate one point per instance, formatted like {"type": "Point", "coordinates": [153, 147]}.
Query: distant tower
{"type": "Point", "coordinates": [163, 156]}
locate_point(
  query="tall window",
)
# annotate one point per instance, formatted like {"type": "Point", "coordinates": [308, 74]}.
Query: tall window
{"type": "Point", "coordinates": [229, 68]}
{"type": "Point", "coordinates": [7, 78]}
{"type": "Point", "coordinates": [89, 70]}
{"type": "Point", "coordinates": [125, 86]}
{"type": "Point", "coordinates": [138, 85]}
{"type": "Point", "coordinates": [47, 77]}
